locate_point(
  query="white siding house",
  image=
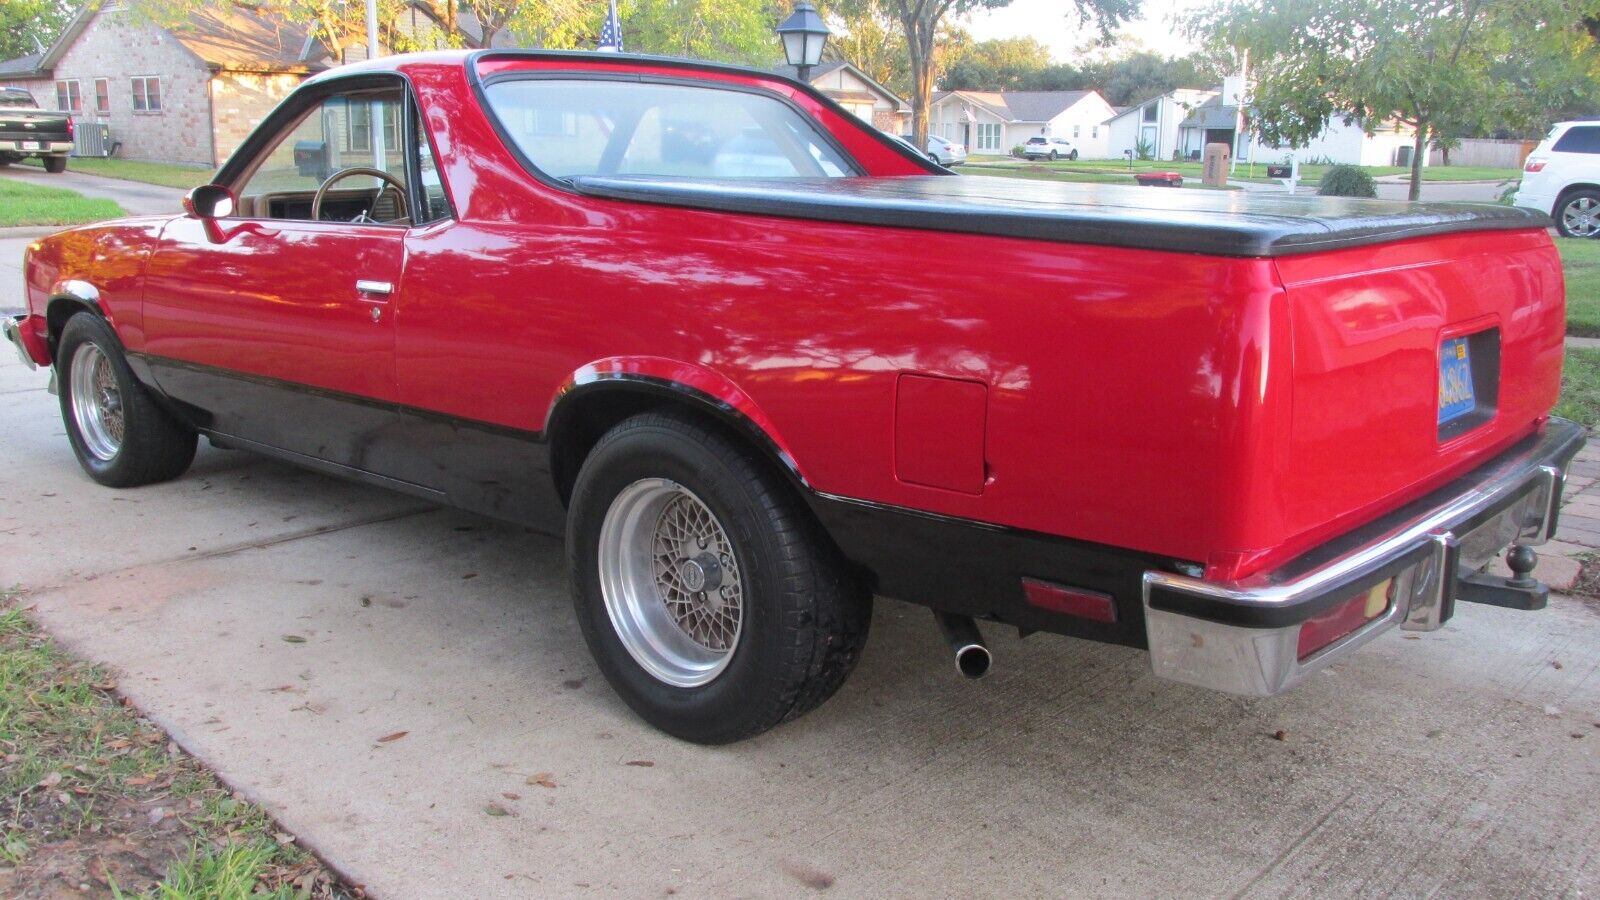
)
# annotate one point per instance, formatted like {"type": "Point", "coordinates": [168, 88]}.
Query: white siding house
{"type": "Point", "coordinates": [993, 122]}
{"type": "Point", "coordinates": [1389, 144]}
{"type": "Point", "coordinates": [1154, 121]}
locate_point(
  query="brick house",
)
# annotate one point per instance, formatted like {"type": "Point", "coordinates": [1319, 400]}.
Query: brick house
{"type": "Point", "coordinates": [857, 92]}
{"type": "Point", "coordinates": [186, 94]}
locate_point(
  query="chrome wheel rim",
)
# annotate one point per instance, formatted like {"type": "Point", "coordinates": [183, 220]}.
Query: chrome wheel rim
{"type": "Point", "coordinates": [671, 583]}
{"type": "Point", "coordinates": [96, 403]}
{"type": "Point", "coordinates": [1581, 217]}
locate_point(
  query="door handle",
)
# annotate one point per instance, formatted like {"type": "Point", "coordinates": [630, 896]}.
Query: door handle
{"type": "Point", "coordinates": [374, 287]}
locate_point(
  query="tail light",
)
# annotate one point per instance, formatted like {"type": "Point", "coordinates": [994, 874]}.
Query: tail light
{"type": "Point", "coordinates": [1346, 617]}
{"type": "Point", "coordinates": [1534, 165]}
{"type": "Point", "coordinates": [72, 128]}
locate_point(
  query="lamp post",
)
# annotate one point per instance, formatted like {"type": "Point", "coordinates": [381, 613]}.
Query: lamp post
{"type": "Point", "coordinates": [803, 35]}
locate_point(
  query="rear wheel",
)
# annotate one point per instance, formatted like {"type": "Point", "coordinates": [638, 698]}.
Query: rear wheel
{"type": "Point", "coordinates": [1578, 214]}
{"type": "Point", "coordinates": [55, 164]}
{"type": "Point", "coordinates": [121, 437]}
{"type": "Point", "coordinates": [934, 157]}
{"type": "Point", "coordinates": [1052, 156]}
{"type": "Point", "coordinates": [710, 600]}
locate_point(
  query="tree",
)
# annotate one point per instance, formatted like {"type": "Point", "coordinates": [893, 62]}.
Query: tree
{"type": "Point", "coordinates": [1000, 64]}
{"type": "Point", "coordinates": [869, 38]}
{"type": "Point", "coordinates": [739, 31]}
{"type": "Point", "coordinates": [921, 21]}
{"type": "Point", "coordinates": [1430, 64]}
{"type": "Point", "coordinates": [28, 26]}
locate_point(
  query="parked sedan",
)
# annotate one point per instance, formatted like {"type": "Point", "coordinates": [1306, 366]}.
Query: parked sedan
{"type": "Point", "coordinates": [760, 363]}
{"type": "Point", "coordinates": [1042, 147]}
{"type": "Point", "coordinates": [941, 151]}
{"type": "Point", "coordinates": [1562, 177]}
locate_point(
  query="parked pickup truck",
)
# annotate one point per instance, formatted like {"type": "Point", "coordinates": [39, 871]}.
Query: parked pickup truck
{"type": "Point", "coordinates": [26, 130]}
{"type": "Point", "coordinates": [759, 363]}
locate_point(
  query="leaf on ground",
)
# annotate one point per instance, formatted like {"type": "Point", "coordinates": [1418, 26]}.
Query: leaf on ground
{"type": "Point", "coordinates": [542, 779]}
{"type": "Point", "coordinates": [393, 737]}
{"type": "Point", "coordinates": [511, 795]}
{"type": "Point", "coordinates": [139, 780]}
{"type": "Point", "coordinates": [495, 809]}
{"type": "Point", "coordinates": [641, 763]}
{"type": "Point", "coordinates": [294, 639]}
{"type": "Point", "coordinates": [156, 815]}
{"type": "Point", "coordinates": [50, 781]}
{"type": "Point", "coordinates": [282, 838]}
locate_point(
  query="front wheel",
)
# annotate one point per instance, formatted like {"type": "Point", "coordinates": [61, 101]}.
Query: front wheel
{"type": "Point", "coordinates": [1578, 215]}
{"type": "Point", "coordinates": [121, 437]}
{"type": "Point", "coordinates": [711, 601]}
{"type": "Point", "coordinates": [1073, 156]}
{"type": "Point", "coordinates": [55, 165]}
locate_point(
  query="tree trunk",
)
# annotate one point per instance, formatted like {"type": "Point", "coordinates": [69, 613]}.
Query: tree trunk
{"type": "Point", "coordinates": [1419, 148]}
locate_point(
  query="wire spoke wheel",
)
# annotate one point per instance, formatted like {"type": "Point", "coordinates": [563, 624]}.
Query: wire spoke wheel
{"type": "Point", "coordinates": [97, 402]}
{"type": "Point", "coordinates": [671, 582]}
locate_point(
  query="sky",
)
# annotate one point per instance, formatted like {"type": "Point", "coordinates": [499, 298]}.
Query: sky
{"type": "Point", "coordinates": [1049, 21]}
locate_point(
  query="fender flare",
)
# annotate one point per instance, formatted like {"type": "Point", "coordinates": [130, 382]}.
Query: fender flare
{"type": "Point", "coordinates": [682, 382]}
{"type": "Point", "coordinates": [70, 292]}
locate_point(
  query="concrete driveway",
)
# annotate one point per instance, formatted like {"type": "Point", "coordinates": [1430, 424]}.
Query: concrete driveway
{"type": "Point", "coordinates": [1466, 762]}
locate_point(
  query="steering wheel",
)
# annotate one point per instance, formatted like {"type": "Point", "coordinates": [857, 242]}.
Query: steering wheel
{"type": "Point", "coordinates": [388, 182]}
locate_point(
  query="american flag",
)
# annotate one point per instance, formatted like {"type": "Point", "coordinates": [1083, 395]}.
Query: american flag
{"type": "Point", "coordinates": [611, 33]}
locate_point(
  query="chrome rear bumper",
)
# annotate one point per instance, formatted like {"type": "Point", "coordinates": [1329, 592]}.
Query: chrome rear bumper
{"type": "Point", "coordinates": [1243, 637]}
{"type": "Point", "coordinates": [11, 327]}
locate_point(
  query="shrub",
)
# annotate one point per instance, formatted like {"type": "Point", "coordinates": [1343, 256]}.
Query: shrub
{"type": "Point", "coordinates": [1017, 151]}
{"type": "Point", "coordinates": [1144, 149]}
{"type": "Point", "coordinates": [1347, 181]}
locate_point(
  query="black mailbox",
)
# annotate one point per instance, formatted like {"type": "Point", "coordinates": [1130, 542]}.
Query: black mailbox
{"type": "Point", "coordinates": [1280, 171]}
{"type": "Point", "coordinates": [311, 159]}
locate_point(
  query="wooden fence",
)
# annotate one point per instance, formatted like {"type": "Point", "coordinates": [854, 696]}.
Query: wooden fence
{"type": "Point", "coordinates": [1485, 152]}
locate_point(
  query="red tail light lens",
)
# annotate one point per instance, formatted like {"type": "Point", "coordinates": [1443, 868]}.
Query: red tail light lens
{"type": "Point", "coordinates": [72, 127]}
{"type": "Point", "coordinates": [1534, 165]}
{"type": "Point", "coordinates": [1346, 617]}
{"type": "Point", "coordinates": [1071, 601]}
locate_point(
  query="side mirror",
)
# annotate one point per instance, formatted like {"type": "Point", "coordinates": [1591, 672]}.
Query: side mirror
{"type": "Point", "coordinates": [208, 203]}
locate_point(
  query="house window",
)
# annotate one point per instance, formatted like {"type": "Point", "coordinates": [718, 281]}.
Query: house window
{"type": "Point", "coordinates": [988, 136]}
{"type": "Point", "coordinates": [358, 137]}
{"type": "Point", "coordinates": [1149, 113]}
{"type": "Point", "coordinates": [69, 95]}
{"type": "Point", "coordinates": [147, 94]}
{"type": "Point", "coordinates": [1076, 129]}
{"type": "Point", "coordinates": [102, 95]}
{"type": "Point", "coordinates": [1094, 131]}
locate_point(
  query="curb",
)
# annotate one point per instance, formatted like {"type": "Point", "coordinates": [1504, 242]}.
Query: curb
{"type": "Point", "coordinates": [30, 231]}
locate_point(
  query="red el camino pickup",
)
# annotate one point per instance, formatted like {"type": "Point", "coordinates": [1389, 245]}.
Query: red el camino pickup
{"type": "Point", "coordinates": [759, 363]}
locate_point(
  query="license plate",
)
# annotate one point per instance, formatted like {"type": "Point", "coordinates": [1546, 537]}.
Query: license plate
{"type": "Point", "coordinates": [1456, 398]}
{"type": "Point", "coordinates": [33, 145]}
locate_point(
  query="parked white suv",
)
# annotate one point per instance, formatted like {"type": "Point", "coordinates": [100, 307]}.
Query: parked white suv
{"type": "Point", "coordinates": [1041, 147]}
{"type": "Point", "coordinates": [1562, 178]}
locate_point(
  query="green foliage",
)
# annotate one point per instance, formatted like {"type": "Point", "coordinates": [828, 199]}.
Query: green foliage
{"type": "Point", "coordinates": [1580, 387]}
{"type": "Point", "coordinates": [1580, 258]}
{"type": "Point", "coordinates": [1433, 64]}
{"type": "Point", "coordinates": [1123, 80]}
{"type": "Point", "coordinates": [25, 203]}
{"type": "Point", "coordinates": [27, 25]}
{"type": "Point", "coordinates": [1143, 149]}
{"type": "Point", "coordinates": [1347, 181]}
{"type": "Point", "coordinates": [739, 31]}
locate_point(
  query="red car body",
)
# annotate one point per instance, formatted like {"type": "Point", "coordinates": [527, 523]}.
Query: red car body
{"type": "Point", "coordinates": [963, 410]}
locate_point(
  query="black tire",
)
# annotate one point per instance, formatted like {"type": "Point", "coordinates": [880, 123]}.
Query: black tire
{"type": "Point", "coordinates": [1052, 156]}
{"type": "Point", "coordinates": [934, 157]}
{"type": "Point", "coordinates": [154, 446]}
{"type": "Point", "coordinates": [1591, 199]}
{"type": "Point", "coordinates": [805, 620]}
{"type": "Point", "coordinates": [55, 165]}
{"type": "Point", "coordinates": [1073, 156]}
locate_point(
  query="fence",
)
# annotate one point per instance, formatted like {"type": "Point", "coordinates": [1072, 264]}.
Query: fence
{"type": "Point", "coordinates": [1485, 152]}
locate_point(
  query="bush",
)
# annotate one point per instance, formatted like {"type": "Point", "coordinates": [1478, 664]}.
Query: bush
{"type": "Point", "coordinates": [1017, 151]}
{"type": "Point", "coordinates": [1347, 181]}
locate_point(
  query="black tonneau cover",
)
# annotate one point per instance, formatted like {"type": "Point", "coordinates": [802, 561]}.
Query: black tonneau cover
{"type": "Point", "coordinates": [1219, 223]}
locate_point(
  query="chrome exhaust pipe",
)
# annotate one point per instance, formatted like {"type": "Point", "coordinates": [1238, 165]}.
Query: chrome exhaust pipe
{"type": "Point", "coordinates": [972, 655]}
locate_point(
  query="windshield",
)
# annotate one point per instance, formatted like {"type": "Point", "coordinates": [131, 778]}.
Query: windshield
{"type": "Point", "coordinates": [569, 127]}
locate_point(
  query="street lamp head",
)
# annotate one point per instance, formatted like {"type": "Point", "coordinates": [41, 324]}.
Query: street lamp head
{"type": "Point", "coordinates": [803, 34]}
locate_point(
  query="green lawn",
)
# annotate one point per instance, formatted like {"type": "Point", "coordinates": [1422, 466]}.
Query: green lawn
{"type": "Point", "coordinates": [1062, 172]}
{"type": "Point", "coordinates": [22, 203]}
{"type": "Point", "coordinates": [1580, 387]}
{"type": "Point", "coordinates": [165, 174]}
{"type": "Point", "coordinates": [1581, 260]}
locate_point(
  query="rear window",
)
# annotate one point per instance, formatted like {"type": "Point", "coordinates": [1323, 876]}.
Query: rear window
{"type": "Point", "coordinates": [1036, 140]}
{"type": "Point", "coordinates": [1579, 139]}
{"type": "Point", "coordinates": [17, 98]}
{"type": "Point", "coordinates": [570, 127]}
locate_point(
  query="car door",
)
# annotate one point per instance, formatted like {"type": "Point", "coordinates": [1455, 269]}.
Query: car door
{"type": "Point", "coordinates": [275, 326]}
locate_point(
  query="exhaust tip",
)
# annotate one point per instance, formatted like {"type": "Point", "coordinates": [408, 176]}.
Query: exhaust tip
{"type": "Point", "coordinates": [973, 660]}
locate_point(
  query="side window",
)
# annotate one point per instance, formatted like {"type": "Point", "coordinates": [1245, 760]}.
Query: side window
{"type": "Point", "coordinates": [353, 130]}
{"type": "Point", "coordinates": [432, 187]}
{"type": "Point", "coordinates": [569, 127]}
{"type": "Point", "coordinates": [1579, 139]}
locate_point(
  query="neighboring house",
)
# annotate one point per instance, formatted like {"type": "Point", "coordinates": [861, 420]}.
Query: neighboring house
{"type": "Point", "coordinates": [1156, 122]}
{"type": "Point", "coordinates": [993, 122]}
{"type": "Point", "coordinates": [863, 97]}
{"type": "Point", "coordinates": [187, 94]}
{"type": "Point", "coordinates": [1391, 143]}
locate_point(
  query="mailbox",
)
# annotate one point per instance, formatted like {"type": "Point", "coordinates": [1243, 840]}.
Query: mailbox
{"type": "Point", "coordinates": [1280, 171]}
{"type": "Point", "coordinates": [311, 159]}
